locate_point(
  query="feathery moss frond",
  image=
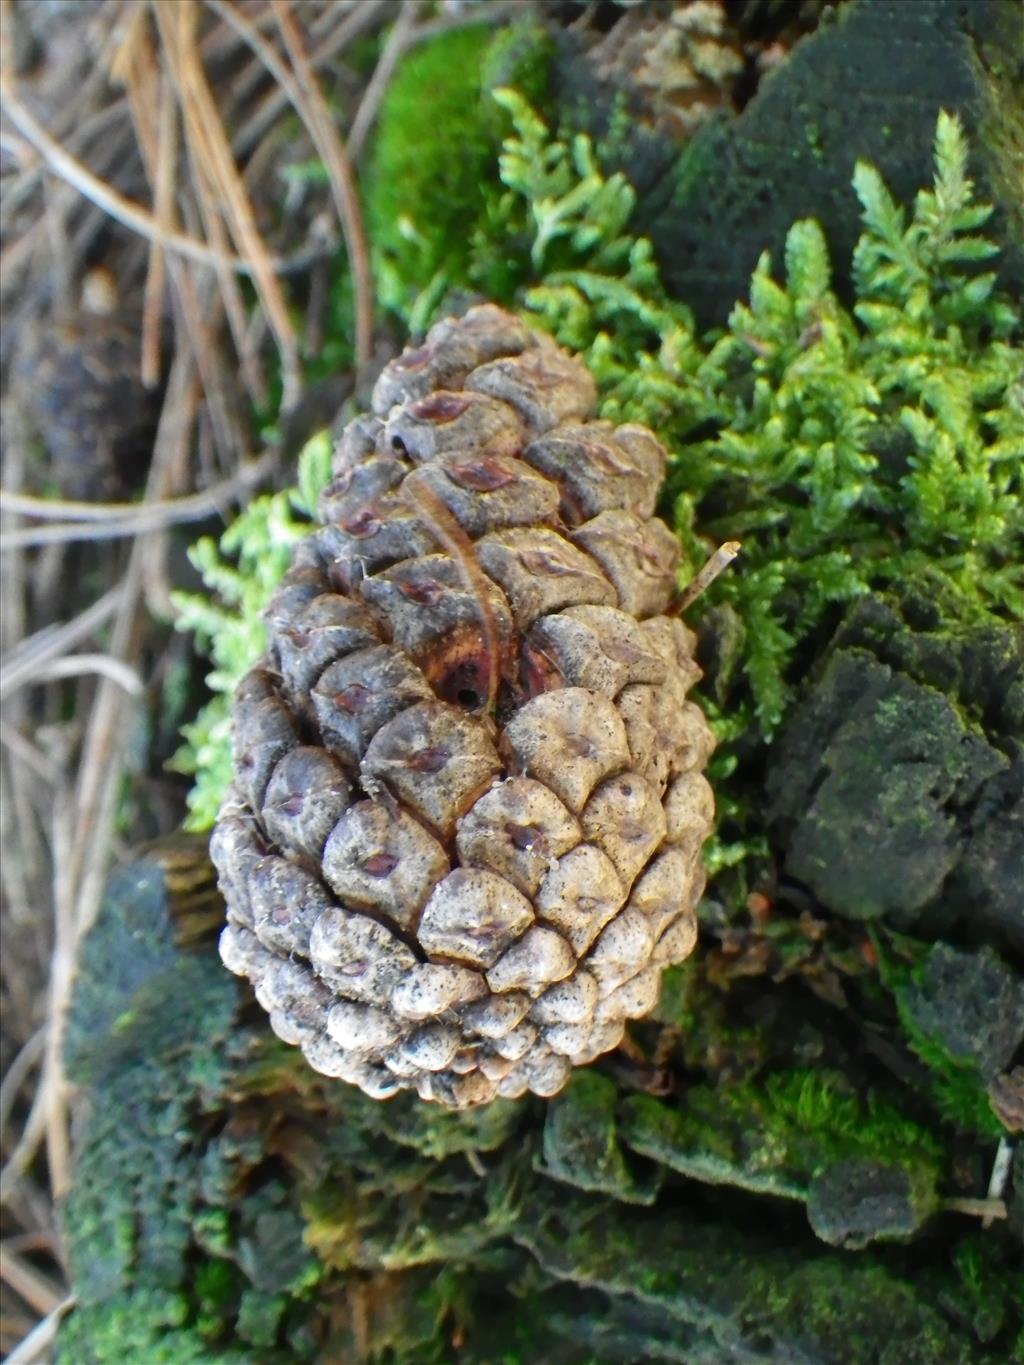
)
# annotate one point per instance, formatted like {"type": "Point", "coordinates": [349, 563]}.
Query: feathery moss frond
{"type": "Point", "coordinates": [847, 449]}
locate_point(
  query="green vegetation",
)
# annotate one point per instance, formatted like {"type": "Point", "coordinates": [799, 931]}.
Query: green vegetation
{"type": "Point", "coordinates": [847, 451]}
{"type": "Point", "coordinates": [147, 1203]}
{"type": "Point", "coordinates": [241, 570]}
{"type": "Point", "coordinates": [433, 197]}
{"type": "Point", "coordinates": [957, 1083]}
{"type": "Point", "coordinates": [232, 1206]}
{"type": "Point", "coordinates": [773, 1133]}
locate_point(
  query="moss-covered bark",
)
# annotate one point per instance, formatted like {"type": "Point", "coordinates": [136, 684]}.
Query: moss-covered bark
{"type": "Point", "coordinates": [867, 86]}
{"type": "Point", "coordinates": [230, 1205]}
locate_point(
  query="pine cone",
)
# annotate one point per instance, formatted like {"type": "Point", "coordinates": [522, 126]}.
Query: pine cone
{"type": "Point", "coordinates": [464, 837]}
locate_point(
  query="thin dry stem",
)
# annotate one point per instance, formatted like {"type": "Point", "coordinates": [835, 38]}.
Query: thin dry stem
{"type": "Point", "coordinates": [720, 560]}
{"type": "Point", "coordinates": [307, 100]}
{"type": "Point", "coordinates": [985, 1209]}
{"type": "Point", "coordinates": [216, 169]}
{"type": "Point", "coordinates": [163, 207]}
{"type": "Point", "coordinates": [53, 641]}
{"type": "Point", "coordinates": [37, 1289]}
{"type": "Point", "coordinates": [86, 665]}
{"type": "Point", "coordinates": [32, 1133]}
{"type": "Point", "coordinates": [135, 517]}
{"type": "Point", "coordinates": [24, 750]}
{"type": "Point", "coordinates": [33, 1349]}
{"type": "Point", "coordinates": [53, 1088]}
{"type": "Point", "coordinates": [198, 334]}
{"type": "Point", "coordinates": [361, 18]}
{"type": "Point", "coordinates": [398, 40]}
{"type": "Point", "coordinates": [28, 1057]}
{"type": "Point", "coordinates": [104, 196]}
{"type": "Point", "coordinates": [313, 111]}
{"type": "Point", "coordinates": [135, 64]}
{"type": "Point", "coordinates": [1000, 1177]}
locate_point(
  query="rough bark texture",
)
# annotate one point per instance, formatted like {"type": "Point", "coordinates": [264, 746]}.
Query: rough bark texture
{"type": "Point", "coordinates": [866, 85]}
{"type": "Point", "coordinates": [230, 1205]}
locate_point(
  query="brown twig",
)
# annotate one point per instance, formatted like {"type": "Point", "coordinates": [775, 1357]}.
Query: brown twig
{"type": "Point", "coordinates": [87, 665]}
{"type": "Point", "coordinates": [104, 196]}
{"type": "Point", "coordinates": [304, 93]}
{"type": "Point", "coordinates": [37, 1289]}
{"type": "Point", "coordinates": [218, 174]}
{"type": "Point", "coordinates": [134, 517]}
{"type": "Point", "coordinates": [361, 18]}
{"type": "Point", "coordinates": [35, 1347]}
{"type": "Point", "coordinates": [985, 1209]}
{"type": "Point", "coordinates": [214, 206]}
{"type": "Point", "coordinates": [53, 641]}
{"type": "Point", "coordinates": [719, 561]}
{"type": "Point", "coordinates": [312, 109]}
{"type": "Point", "coordinates": [398, 40]}
{"type": "Point", "coordinates": [29, 1055]}
{"type": "Point", "coordinates": [136, 66]}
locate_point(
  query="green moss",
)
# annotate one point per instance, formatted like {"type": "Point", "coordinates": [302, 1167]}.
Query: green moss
{"type": "Point", "coordinates": [229, 1200]}
{"type": "Point", "coordinates": [993, 1293]}
{"type": "Point", "coordinates": [677, 1006]}
{"type": "Point", "coordinates": [431, 181]}
{"type": "Point", "coordinates": [772, 1134]}
{"type": "Point", "coordinates": [846, 450]}
{"type": "Point", "coordinates": [734, 1291]}
{"type": "Point", "coordinates": [963, 1030]}
{"type": "Point", "coordinates": [265, 1214]}
{"type": "Point", "coordinates": [419, 190]}
{"type": "Point", "coordinates": [138, 1330]}
{"type": "Point", "coordinates": [439, 1133]}
{"type": "Point", "coordinates": [581, 1145]}
{"type": "Point", "coordinates": [871, 80]}
{"type": "Point", "coordinates": [872, 759]}
{"type": "Point", "coordinates": [519, 56]}
{"type": "Point", "coordinates": [167, 1245]}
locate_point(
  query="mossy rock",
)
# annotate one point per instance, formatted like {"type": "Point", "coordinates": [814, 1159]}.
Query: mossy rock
{"type": "Point", "coordinates": [867, 86]}
{"type": "Point", "coordinates": [870, 783]}
{"type": "Point", "coordinates": [432, 174]}
{"type": "Point", "coordinates": [856, 1202]}
{"type": "Point", "coordinates": [893, 786]}
{"type": "Point", "coordinates": [230, 1205]}
{"type": "Point", "coordinates": [725, 1292]}
{"type": "Point", "coordinates": [970, 1002]}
